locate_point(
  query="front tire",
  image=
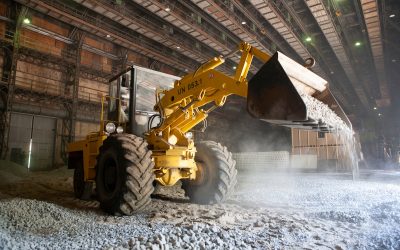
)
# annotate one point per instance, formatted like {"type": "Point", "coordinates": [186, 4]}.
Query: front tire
{"type": "Point", "coordinates": [124, 175]}
{"type": "Point", "coordinates": [216, 177]}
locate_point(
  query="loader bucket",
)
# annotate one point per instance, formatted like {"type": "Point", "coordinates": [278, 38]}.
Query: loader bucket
{"type": "Point", "coordinates": [275, 95]}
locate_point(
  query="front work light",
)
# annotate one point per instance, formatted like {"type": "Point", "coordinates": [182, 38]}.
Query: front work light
{"type": "Point", "coordinates": [110, 127]}
{"type": "Point", "coordinates": [120, 129]}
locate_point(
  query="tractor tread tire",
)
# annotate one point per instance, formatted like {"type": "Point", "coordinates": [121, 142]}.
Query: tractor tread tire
{"type": "Point", "coordinates": [137, 165]}
{"type": "Point", "coordinates": [224, 178]}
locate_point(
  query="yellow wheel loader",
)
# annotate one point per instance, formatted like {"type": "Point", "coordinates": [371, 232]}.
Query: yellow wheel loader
{"type": "Point", "coordinates": [124, 164]}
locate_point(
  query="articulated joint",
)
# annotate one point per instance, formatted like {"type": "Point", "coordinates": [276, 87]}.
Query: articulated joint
{"type": "Point", "coordinates": [243, 46]}
{"type": "Point", "coordinates": [174, 164]}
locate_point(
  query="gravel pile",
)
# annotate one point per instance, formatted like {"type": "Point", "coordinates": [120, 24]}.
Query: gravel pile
{"type": "Point", "coordinates": [268, 210]}
{"type": "Point", "coordinates": [361, 214]}
{"type": "Point", "coordinates": [32, 224]}
{"type": "Point", "coordinates": [196, 236]}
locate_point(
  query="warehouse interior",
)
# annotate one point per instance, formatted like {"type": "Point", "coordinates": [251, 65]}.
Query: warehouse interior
{"type": "Point", "coordinates": [301, 184]}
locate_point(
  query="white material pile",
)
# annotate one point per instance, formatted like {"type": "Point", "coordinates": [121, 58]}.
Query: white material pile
{"type": "Point", "coordinates": [321, 112]}
{"type": "Point", "coordinates": [278, 211]}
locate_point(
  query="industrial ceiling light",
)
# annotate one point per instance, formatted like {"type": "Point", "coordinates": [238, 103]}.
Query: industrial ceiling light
{"type": "Point", "coordinates": [168, 9]}
{"type": "Point", "coordinates": [243, 22]}
{"type": "Point", "coordinates": [375, 108]}
{"type": "Point", "coordinates": [27, 21]}
{"type": "Point", "coordinates": [178, 47]}
{"type": "Point", "coordinates": [379, 114]}
{"type": "Point", "coordinates": [108, 36]}
{"type": "Point", "coordinates": [234, 67]}
{"type": "Point", "coordinates": [357, 44]}
{"type": "Point", "coordinates": [392, 15]}
{"type": "Point", "coordinates": [308, 39]}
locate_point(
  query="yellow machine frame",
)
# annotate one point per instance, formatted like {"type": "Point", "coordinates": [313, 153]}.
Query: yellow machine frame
{"type": "Point", "coordinates": [180, 109]}
{"type": "Point", "coordinates": [91, 145]}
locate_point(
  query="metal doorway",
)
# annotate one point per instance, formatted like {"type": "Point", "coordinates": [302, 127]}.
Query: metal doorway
{"type": "Point", "coordinates": [32, 140]}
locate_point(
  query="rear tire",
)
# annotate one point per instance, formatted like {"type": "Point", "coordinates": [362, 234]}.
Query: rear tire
{"type": "Point", "coordinates": [124, 175]}
{"type": "Point", "coordinates": [217, 175]}
{"type": "Point", "coordinates": [82, 189]}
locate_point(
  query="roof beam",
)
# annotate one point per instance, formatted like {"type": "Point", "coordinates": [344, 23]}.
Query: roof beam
{"type": "Point", "coordinates": [328, 28]}
{"type": "Point", "coordinates": [273, 17]}
{"type": "Point", "coordinates": [189, 24]}
{"type": "Point", "coordinates": [97, 27]}
{"type": "Point", "coordinates": [371, 16]}
{"type": "Point", "coordinates": [232, 22]}
{"type": "Point", "coordinates": [146, 27]}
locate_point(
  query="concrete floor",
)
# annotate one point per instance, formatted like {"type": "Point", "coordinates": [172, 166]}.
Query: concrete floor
{"type": "Point", "coordinates": [269, 210]}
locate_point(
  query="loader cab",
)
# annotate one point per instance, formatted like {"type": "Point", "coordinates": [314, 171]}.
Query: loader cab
{"type": "Point", "coordinates": [121, 103]}
{"type": "Point", "coordinates": [131, 100]}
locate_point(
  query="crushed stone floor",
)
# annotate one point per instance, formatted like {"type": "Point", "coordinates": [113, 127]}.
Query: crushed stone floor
{"type": "Point", "coordinates": [268, 211]}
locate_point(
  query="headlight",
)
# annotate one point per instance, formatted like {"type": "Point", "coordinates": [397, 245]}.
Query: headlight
{"type": "Point", "coordinates": [120, 129]}
{"type": "Point", "coordinates": [110, 127]}
{"type": "Point", "coordinates": [189, 135]}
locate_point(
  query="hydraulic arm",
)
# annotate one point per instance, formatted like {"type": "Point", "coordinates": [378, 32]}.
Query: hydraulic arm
{"type": "Point", "coordinates": [182, 108]}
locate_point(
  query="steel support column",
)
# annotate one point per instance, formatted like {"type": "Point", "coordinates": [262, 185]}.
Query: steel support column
{"type": "Point", "coordinates": [9, 74]}
{"type": "Point", "coordinates": [72, 81]}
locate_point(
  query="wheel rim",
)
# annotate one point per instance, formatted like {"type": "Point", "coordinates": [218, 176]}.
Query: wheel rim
{"type": "Point", "coordinates": [110, 176]}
